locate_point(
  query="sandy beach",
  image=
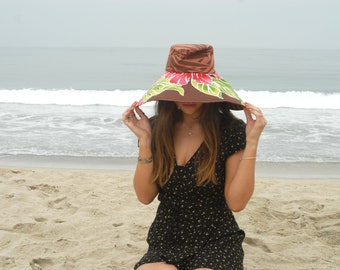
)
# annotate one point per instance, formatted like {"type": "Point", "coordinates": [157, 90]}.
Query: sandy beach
{"type": "Point", "coordinates": [54, 218]}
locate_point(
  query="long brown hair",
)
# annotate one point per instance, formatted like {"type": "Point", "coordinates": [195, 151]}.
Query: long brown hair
{"type": "Point", "coordinates": [163, 126]}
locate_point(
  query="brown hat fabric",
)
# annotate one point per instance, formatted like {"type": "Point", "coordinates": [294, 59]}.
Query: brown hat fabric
{"type": "Point", "coordinates": [192, 58]}
{"type": "Point", "coordinates": [190, 77]}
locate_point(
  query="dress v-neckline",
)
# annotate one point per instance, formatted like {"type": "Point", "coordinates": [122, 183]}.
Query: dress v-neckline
{"type": "Point", "coordinates": [189, 160]}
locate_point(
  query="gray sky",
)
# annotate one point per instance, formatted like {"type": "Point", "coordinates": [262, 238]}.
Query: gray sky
{"type": "Point", "coordinates": [159, 23]}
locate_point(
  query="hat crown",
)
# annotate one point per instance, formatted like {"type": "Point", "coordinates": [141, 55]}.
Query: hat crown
{"type": "Point", "coordinates": [191, 58]}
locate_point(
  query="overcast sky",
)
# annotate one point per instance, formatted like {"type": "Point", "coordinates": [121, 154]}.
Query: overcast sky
{"type": "Point", "coordinates": [159, 23]}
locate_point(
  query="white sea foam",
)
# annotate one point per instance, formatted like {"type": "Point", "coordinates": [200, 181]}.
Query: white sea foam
{"type": "Point", "coordinates": [292, 99]}
{"type": "Point", "coordinates": [264, 99]}
{"type": "Point", "coordinates": [292, 134]}
{"type": "Point", "coordinates": [70, 96]}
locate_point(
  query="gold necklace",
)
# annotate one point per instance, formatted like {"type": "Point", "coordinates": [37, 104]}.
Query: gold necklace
{"type": "Point", "coordinates": [190, 131]}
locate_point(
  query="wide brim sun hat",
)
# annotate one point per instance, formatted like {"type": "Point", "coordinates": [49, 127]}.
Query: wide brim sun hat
{"type": "Point", "coordinates": [190, 77]}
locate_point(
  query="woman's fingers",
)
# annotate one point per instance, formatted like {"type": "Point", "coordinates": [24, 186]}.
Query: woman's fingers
{"type": "Point", "coordinates": [254, 125]}
{"type": "Point", "coordinates": [248, 115]}
{"type": "Point", "coordinates": [129, 115]}
{"type": "Point", "coordinates": [140, 112]}
{"type": "Point", "coordinates": [251, 109]}
{"type": "Point", "coordinates": [135, 118]}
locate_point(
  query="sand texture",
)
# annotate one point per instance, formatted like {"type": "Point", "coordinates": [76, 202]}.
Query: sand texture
{"type": "Point", "coordinates": [91, 219]}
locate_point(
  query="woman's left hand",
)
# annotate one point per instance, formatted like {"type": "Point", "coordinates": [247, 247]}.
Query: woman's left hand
{"type": "Point", "coordinates": [255, 125]}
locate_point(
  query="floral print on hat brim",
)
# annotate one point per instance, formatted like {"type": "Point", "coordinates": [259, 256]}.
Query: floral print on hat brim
{"type": "Point", "coordinates": [193, 87]}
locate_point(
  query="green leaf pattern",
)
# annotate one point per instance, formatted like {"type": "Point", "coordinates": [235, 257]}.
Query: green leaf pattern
{"type": "Point", "coordinates": [161, 85]}
{"type": "Point", "coordinates": [216, 88]}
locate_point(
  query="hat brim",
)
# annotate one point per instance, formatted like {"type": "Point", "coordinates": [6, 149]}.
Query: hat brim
{"type": "Point", "coordinates": [193, 87]}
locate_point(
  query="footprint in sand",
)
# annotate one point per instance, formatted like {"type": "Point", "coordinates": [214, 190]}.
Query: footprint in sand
{"type": "Point", "coordinates": [40, 263]}
{"type": "Point", "coordinates": [40, 219]}
{"type": "Point", "coordinates": [58, 220]}
{"type": "Point", "coordinates": [45, 188]}
{"type": "Point", "coordinates": [7, 262]}
{"type": "Point", "coordinates": [24, 227]}
{"type": "Point", "coordinates": [257, 243]}
{"type": "Point", "coordinates": [9, 196]}
{"type": "Point", "coordinates": [19, 181]}
{"type": "Point", "coordinates": [57, 203]}
{"type": "Point", "coordinates": [138, 231]}
{"type": "Point", "coordinates": [62, 204]}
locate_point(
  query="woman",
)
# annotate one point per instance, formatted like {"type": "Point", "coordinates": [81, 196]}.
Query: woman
{"type": "Point", "coordinates": [200, 161]}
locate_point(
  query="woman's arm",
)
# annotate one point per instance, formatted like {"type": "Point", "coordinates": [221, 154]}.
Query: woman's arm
{"type": "Point", "coordinates": [240, 167]}
{"type": "Point", "coordinates": [146, 191]}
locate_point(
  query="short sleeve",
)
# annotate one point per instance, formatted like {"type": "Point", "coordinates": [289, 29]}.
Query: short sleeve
{"type": "Point", "coordinates": [233, 137]}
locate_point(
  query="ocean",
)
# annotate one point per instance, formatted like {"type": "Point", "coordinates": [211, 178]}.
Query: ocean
{"type": "Point", "coordinates": [67, 102]}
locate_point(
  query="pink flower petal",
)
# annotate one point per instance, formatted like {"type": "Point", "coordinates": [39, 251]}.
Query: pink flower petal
{"type": "Point", "coordinates": [178, 78]}
{"type": "Point", "coordinates": [201, 78]}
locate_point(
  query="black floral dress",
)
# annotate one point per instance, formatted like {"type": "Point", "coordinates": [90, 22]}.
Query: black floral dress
{"type": "Point", "coordinates": [193, 227]}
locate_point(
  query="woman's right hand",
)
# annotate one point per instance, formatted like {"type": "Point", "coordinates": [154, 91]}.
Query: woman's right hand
{"type": "Point", "coordinates": [134, 118]}
{"type": "Point", "coordinates": [139, 126]}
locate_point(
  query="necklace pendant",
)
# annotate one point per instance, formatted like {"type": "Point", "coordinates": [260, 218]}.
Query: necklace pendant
{"type": "Point", "coordinates": [190, 132]}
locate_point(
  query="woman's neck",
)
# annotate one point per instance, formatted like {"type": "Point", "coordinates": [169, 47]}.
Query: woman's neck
{"type": "Point", "coordinates": [190, 125]}
{"type": "Point", "coordinates": [190, 120]}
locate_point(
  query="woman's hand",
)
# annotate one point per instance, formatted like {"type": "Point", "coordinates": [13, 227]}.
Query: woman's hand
{"type": "Point", "coordinates": [255, 126]}
{"type": "Point", "coordinates": [146, 190]}
{"type": "Point", "coordinates": [140, 125]}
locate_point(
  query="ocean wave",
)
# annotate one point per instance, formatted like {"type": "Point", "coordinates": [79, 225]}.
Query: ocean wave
{"type": "Point", "coordinates": [264, 99]}
{"type": "Point", "coordinates": [292, 99]}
